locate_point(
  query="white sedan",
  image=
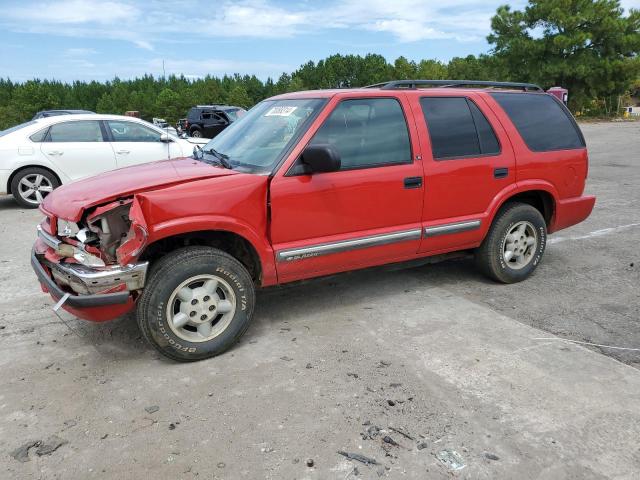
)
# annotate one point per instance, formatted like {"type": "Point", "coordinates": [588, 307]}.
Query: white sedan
{"type": "Point", "coordinates": [39, 155]}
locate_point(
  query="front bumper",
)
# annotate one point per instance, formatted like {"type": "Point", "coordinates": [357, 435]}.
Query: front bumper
{"type": "Point", "coordinates": [94, 294]}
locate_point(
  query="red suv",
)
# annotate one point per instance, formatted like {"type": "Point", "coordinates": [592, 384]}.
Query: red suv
{"type": "Point", "coordinates": [309, 184]}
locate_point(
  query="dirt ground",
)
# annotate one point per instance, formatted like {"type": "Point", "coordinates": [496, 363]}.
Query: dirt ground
{"type": "Point", "coordinates": [429, 372]}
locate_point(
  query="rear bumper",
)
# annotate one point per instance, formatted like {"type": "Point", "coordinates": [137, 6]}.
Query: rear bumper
{"type": "Point", "coordinates": [116, 300]}
{"type": "Point", "coordinates": [571, 211]}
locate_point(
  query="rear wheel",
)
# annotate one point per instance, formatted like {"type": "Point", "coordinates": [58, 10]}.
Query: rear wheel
{"type": "Point", "coordinates": [197, 303]}
{"type": "Point", "coordinates": [31, 185]}
{"type": "Point", "coordinates": [196, 133]}
{"type": "Point", "coordinates": [514, 245]}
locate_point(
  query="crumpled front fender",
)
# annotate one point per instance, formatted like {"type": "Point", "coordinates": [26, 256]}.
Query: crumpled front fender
{"type": "Point", "coordinates": [137, 237]}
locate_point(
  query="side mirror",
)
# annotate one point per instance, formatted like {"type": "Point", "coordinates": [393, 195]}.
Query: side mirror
{"type": "Point", "coordinates": [165, 138]}
{"type": "Point", "coordinates": [320, 158]}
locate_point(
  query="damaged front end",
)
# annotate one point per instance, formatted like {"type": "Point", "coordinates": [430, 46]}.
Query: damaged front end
{"type": "Point", "coordinates": [90, 266]}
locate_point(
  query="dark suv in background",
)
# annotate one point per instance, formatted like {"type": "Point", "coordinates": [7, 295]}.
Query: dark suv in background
{"type": "Point", "coordinates": [207, 121]}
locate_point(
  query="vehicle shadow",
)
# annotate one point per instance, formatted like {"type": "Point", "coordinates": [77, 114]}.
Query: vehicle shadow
{"type": "Point", "coordinates": [7, 202]}
{"type": "Point", "coordinates": [291, 305]}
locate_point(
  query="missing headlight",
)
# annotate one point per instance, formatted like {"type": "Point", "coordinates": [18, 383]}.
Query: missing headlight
{"type": "Point", "coordinates": [110, 224]}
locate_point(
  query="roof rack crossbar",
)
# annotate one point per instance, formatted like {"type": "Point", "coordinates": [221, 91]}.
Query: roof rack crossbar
{"type": "Point", "coordinates": [413, 84]}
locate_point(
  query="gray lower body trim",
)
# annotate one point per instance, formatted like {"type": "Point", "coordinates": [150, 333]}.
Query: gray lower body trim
{"type": "Point", "coordinates": [345, 245]}
{"type": "Point", "coordinates": [449, 228]}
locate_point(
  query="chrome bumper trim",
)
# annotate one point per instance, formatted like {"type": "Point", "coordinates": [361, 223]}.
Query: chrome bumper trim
{"type": "Point", "coordinates": [449, 228]}
{"type": "Point", "coordinates": [345, 245]}
{"type": "Point", "coordinates": [86, 280]}
{"type": "Point", "coordinates": [48, 239]}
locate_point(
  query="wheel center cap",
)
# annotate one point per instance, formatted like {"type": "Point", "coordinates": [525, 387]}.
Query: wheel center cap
{"type": "Point", "coordinates": [203, 310]}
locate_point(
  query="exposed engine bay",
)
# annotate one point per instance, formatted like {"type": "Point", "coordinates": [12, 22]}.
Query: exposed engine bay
{"type": "Point", "coordinates": [98, 254]}
{"type": "Point", "coordinates": [96, 240]}
{"type": "Point", "coordinates": [109, 228]}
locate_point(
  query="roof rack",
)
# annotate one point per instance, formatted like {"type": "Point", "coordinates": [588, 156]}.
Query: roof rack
{"type": "Point", "coordinates": [413, 84]}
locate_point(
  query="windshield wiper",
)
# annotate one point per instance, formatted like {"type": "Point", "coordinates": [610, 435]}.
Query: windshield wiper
{"type": "Point", "coordinates": [222, 158]}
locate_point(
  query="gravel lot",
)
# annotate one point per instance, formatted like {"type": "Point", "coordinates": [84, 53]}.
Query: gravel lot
{"type": "Point", "coordinates": [401, 366]}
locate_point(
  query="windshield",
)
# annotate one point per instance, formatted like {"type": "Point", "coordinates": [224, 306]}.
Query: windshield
{"type": "Point", "coordinates": [257, 141]}
{"type": "Point", "coordinates": [17, 127]}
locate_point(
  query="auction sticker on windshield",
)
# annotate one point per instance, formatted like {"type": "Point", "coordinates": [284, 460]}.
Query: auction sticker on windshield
{"type": "Point", "coordinates": [280, 111]}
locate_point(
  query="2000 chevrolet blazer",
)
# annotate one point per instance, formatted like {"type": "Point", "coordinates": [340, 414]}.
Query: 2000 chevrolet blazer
{"type": "Point", "coordinates": [309, 184]}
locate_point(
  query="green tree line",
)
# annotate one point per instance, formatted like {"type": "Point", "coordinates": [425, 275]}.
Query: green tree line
{"type": "Point", "coordinates": [588, 46]}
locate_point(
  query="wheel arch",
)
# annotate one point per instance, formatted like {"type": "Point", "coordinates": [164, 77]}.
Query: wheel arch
{"type": "Point", "coordinates": [540, 195]}
{"type": "Point", "coordinates": [24, 167]}
{"type": "Point", "coordinates": [541, 200]}
{"type": "Point", "coordinates": [230, 242]}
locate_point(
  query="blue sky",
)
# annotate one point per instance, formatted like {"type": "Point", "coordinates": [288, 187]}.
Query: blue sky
{"type": "Point", "coordinates": [84, 39]}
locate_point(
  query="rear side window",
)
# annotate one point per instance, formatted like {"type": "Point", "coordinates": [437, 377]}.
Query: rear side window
{"type": "Point", "coordinates": [542, 122]}
{"type": "Point", "coordinates": [367, 132]}
{"type": "Point", "coordinates": [458, 128]}
{"type": "Point", "coordinates": [132, 132]}
{"type": "Point", "coordinates": [80, 131]}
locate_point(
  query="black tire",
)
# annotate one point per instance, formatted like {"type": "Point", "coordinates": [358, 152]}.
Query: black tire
{"type": "Point", "coordinates": [172, 271]}
{"type": "Point", "coordinates": [196, 133]}
{"type": "Point", "coordinates": [51, 180]}
{"type": "Point", "coordinates": [490, 257]}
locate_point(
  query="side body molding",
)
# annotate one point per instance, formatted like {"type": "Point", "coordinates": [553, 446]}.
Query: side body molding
{"type": "Point", "coordinates": [346, 245]}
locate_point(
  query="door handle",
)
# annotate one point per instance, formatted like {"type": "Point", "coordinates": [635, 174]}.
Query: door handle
{"type": "Point", "coordinates": [412, 182]}
{"type": "Point", "coordinates": [55, 153]}
{"type": "Point", "coordinates": [123, 152]}
{"type": "Point", "coordinates": [502, 172]}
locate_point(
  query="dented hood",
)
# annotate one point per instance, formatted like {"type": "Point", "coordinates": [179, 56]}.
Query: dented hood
{"type": "Point", "coordinates": [71, 200]}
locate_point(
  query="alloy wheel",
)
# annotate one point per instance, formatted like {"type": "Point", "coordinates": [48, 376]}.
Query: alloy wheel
{"type": "Point", "coordinates": [520, 244]}
{"type": "Point", "coordinates": [34, 187]}
{"type": "Point", "coordinates": [201, 308]}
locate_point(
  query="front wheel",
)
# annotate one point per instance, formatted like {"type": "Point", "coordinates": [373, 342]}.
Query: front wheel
{"type": "Point", "coordinates": [196, 133]}
{"type": "Point", "coordinates": [514, 245]}
{"type": "Point", "coordinates": [197, 303]}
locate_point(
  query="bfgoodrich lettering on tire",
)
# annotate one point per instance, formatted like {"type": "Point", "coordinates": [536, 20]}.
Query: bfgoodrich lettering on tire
{"type": "Point", "coordinates": [514, 246]}
{"type": "Point", "coordinates": [197, 303]}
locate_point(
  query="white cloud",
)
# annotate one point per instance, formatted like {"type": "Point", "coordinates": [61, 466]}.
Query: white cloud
{"type": "Point", "coordinates": [404, 20]}
{"type": "Point", "coordinates": [73, 12]}
{"type": "Point", "coordinates": [146, 23]}
{"type": "Point", "coordinates": [258, 18]}
{"type": "Point", "coordinates": [79, 52]}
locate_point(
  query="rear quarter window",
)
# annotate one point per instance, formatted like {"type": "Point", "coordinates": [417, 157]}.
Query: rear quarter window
{"type": "Point", "coordinates": [543, 123]}
{"type": "Point", "coordinates": [458, 129]}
